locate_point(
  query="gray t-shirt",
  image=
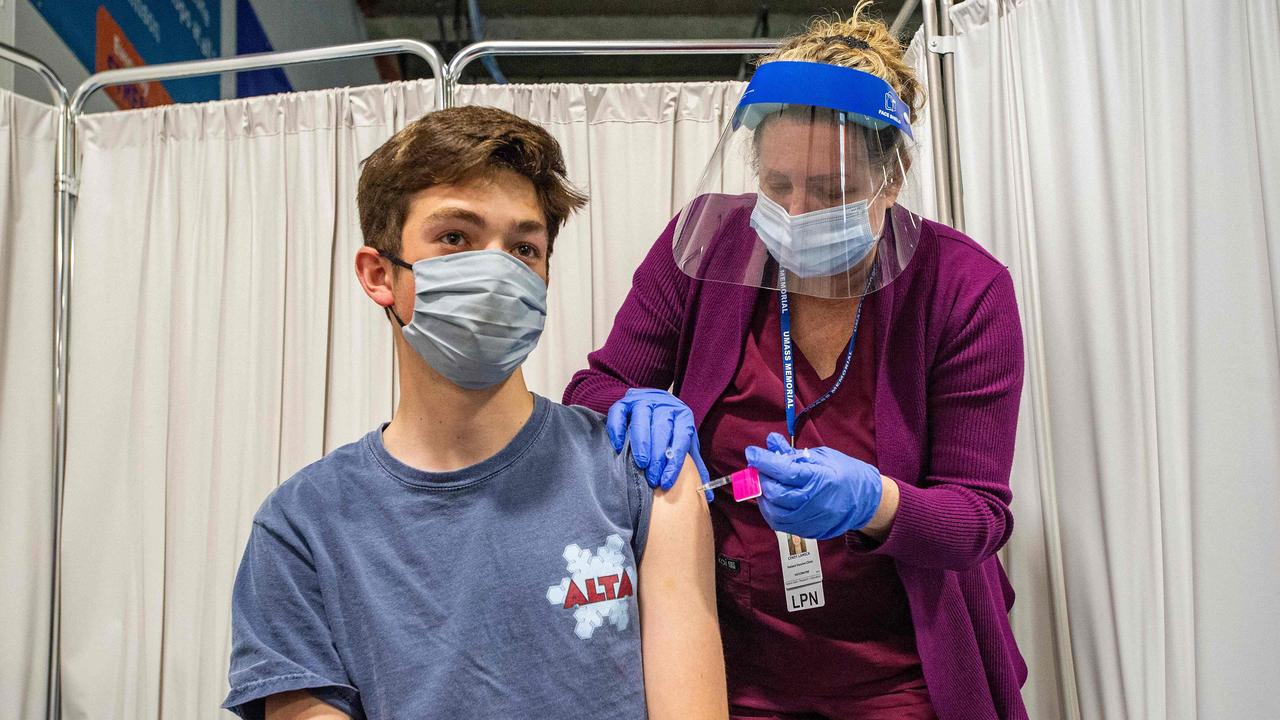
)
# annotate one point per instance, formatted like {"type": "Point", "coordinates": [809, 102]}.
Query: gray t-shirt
{"type": "Point", "coordinates": [506, 589]}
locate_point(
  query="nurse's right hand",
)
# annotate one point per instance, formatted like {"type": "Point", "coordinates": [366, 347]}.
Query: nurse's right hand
{"type": "Point", "coordinates": [662, 433]}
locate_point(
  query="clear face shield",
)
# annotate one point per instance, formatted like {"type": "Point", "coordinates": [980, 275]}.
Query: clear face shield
{"type": "Point", "coordinates": [803, 186]}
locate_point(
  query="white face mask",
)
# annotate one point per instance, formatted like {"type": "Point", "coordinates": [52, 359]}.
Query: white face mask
{"type": "Point", "coordinates": [816, 244]}
{"type": "Point", "coordinates": [477, 315]}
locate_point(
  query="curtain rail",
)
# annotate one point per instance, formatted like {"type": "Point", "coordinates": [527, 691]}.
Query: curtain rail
{"type": "Point", "coordinates": [57, 90]}
{"type": "Point", "coordinates": [259, 61]}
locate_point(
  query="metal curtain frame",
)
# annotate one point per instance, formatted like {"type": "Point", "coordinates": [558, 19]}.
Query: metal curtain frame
{"type": "Point", "coordinates": [259, 61]}
{"type": "Point", "coordinates": [68, 188]}
{"type": "Point", "coordinates": [947, 61]}
{"type": "Point", "coordinates": [938, 119]}
{"type": "Point", "coordinates": [940, 73]}
{"type": "Point", "coordinates": [61, 220]}
{"type": "Point", "coordinates": [904, 14]}
{"type": "Point", "coordinates": [491, 48]}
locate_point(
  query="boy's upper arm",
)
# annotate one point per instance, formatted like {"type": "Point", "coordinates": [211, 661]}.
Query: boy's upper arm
{"type": "Point", "coordinates": [280, 637]}
{"type": "Point", "coordinates": [680, 636]}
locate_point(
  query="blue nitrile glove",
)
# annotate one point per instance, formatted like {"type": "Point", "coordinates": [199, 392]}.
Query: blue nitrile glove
{"type": "Point", "coordinates": [817, 493]}
{"type": "Point", "coordinates": [662, 433]}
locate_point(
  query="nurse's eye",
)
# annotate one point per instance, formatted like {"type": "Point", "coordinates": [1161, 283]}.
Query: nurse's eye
{"type": "Point", "coordinates": [453, 239]}
{"type": "Point", "coordinates": [824, 190]}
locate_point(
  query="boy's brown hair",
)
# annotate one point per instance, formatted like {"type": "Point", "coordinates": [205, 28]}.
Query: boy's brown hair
{"type": "Point", "coordinates": [445, 146]}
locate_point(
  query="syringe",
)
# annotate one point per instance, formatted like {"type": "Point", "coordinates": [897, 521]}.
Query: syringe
{"type": "Point", "coordinates": [746, 484]}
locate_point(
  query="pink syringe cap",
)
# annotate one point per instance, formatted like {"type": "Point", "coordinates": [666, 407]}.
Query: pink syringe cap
{"type": "Point", "coordinates": [746, 484]}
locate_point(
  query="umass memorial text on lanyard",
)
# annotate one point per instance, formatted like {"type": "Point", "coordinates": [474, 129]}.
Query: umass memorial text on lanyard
{"type": "Point", "coordinates": [788, 359]}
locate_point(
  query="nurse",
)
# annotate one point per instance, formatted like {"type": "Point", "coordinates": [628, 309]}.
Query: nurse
{"type": "Point", "coordinates": [868, 363]}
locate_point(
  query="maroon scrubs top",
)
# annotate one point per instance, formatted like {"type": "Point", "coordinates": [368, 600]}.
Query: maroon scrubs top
{"type": "Point", "coordinates": [855, 657]}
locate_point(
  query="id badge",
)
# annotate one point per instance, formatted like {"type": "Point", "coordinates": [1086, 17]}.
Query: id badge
{"type": "Point", "coordinates": [801, 572]}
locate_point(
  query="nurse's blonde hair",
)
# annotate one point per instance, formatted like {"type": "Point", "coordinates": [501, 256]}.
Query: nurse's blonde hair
{"type": "Point", "coordinates": [860, 42]}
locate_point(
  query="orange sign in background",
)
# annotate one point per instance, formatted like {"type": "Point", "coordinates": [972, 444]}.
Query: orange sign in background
{"type": "Point", "coordinates": [115, 51]}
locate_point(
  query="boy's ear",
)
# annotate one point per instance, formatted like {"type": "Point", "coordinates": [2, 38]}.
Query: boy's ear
{"type": "Point", "coordinates": [374, 274]}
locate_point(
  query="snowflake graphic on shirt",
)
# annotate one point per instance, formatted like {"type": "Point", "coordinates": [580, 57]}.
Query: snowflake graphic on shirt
{"type": "Point", "coordinates": [599, 587]}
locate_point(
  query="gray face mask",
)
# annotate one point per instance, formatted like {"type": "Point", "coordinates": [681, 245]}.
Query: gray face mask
{"type": "Point", "coordinates": [477, 315]}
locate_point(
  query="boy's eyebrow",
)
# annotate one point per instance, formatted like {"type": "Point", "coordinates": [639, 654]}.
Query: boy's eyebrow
{"type": "Point", "coordinates": [530, 226]}
{"type": "Point", "coordinates": [456, 213]}
{"type": "Point", "coordinates": [474, 218]}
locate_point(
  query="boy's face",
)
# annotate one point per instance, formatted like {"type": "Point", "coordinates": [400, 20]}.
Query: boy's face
{"type": "Point", "coordinates": [496, 209]}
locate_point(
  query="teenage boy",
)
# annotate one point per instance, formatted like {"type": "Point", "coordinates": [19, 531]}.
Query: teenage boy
{"type": "Point", "coordinates": [486, 553]}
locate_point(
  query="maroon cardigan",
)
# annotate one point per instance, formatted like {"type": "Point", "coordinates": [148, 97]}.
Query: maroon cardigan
{"type": "Point", "coordinates": [946, 408]}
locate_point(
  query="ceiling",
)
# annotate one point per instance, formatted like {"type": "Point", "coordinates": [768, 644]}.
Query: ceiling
{"type": "Point", "coordinates": [443, 23]}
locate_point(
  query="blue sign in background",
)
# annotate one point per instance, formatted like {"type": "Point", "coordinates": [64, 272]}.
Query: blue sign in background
{"type": "Point", "coordinates": [160, 30]}
{"type": "Point", "coordinates": [252, 38]}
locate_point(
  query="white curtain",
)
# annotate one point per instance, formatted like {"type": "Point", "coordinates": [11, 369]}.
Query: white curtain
{"type": "Point", "coordinates": [27, 270]}
{"type": "Point", "coordinates": [1124, 159]}
{"type": "Point", "coordinates": [220, 343]}
{"type": "Point", "coordinates": [638, 150]}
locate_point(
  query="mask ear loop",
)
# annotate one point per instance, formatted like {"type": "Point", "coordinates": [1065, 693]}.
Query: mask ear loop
{"type": "Point", "coordinates": [900, 178]}
{"type": "Point", "coordinates": [885, 181]}
{"type": "Point", "coordinates": [390, 310]}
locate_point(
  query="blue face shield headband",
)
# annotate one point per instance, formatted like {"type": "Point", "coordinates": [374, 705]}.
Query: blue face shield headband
{"type": "Point", "coordinates": [868, 100]}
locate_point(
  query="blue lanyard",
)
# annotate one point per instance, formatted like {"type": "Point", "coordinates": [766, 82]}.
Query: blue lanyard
{"type": "Point", "coordinates": [788, 358]}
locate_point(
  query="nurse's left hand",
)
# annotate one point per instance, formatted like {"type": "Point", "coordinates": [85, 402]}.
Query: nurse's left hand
{"type": "Point", "coordinates": [662, 432]}
{"type": "Point", "coordinates": [817, 493]}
